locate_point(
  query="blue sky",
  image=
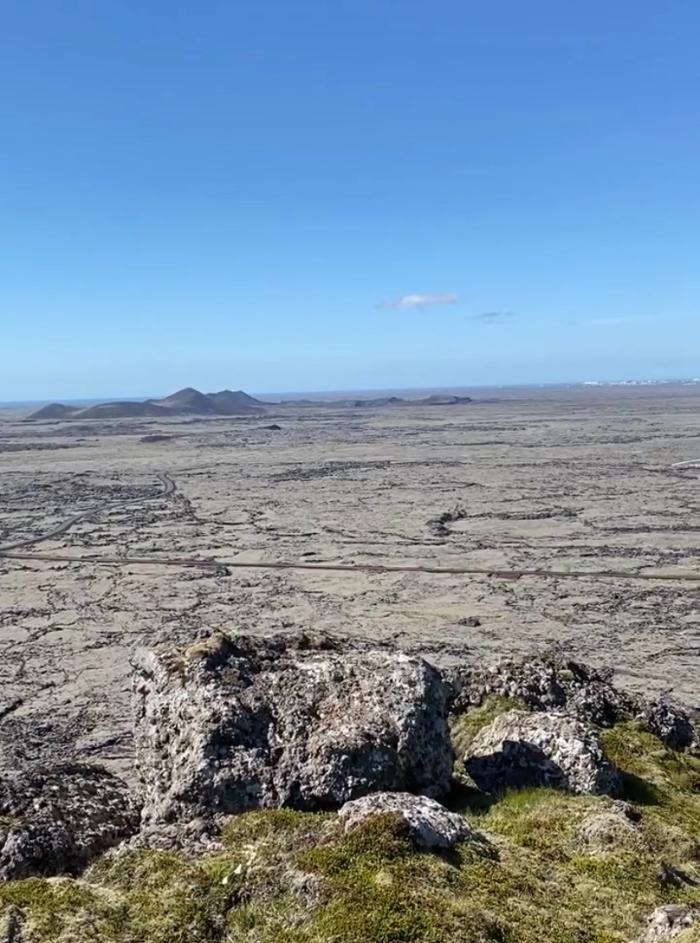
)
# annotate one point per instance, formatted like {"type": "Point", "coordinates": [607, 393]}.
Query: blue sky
{"type": "Point", "coordinates": [240, 193]}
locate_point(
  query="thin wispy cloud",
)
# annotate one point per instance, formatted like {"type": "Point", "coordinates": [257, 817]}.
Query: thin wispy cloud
{"type": "Point", "coordinates": [491, 317]}
{"type": "Point", "coordinates": [413, 302]}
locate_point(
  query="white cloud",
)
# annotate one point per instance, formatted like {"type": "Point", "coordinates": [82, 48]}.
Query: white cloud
{"type": "Point", "coordinates": [410, 302]}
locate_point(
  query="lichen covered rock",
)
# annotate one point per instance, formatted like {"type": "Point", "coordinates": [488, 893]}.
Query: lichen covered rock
{"type": "Point", "coordinates": [430, 825]}
{"type": "Point", "coordinates": [230, 724]}
{"type": "Point", "coordinates": [554, 683]}
{"type": "Point", "coordinates": [520, 749]}
{"type": "Point", "coordinates": [54, 821]}
{"type": "Point", "coordinates": [668, 922]}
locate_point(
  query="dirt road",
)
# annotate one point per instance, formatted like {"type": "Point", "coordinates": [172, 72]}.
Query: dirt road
{"type": "Point", "coordinates": [169, 487]}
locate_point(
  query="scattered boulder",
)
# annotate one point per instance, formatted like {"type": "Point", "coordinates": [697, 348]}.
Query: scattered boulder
{"type": "Point", "coordinates": [608, 828]}
{"type": "Point", "coordinates": [54, 821]}
{"type": "Point", "coordinates": [430, 825]}
{"type": "Point", "coordinates": [670, 722]}
{"type": "Point", "coordinates": [154, 437]}
{"type": "Point", "coordinates": [546, 683]}
{"type": "Point", "coordinates": [668, 922]}
{"type": "Point", "coordinates": [470, 622]}
{"type": "Point", "coordinates": [554, 683]}
{"type": "Point", "coordinates": [519, 749]}
{"type": "Point", "coordinates": [233, 723]}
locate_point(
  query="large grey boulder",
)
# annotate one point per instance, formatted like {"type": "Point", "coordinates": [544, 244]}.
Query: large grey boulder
{"type": "Point", "coordinates": [54, 821]}
{"type": "Point", "coordinates": [555, 683]}
{"type": "Point", "coordinates": [232, 723]}
{"type": "Point", "coordinates": [520, 749]}
{"type": "Point", "coordinates": [668, 922]}
{"type": "Point", "coordinates": [429, 824]}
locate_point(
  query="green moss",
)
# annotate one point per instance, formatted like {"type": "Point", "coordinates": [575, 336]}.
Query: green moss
{"type": "Point", "coordinates": [689, 936]}
{"type": "Point", "coordinates": [267, 826]}
{"type": "Point", "coordinates": [464, 727]}
{"type": "Point", "coordinates": [665, 782]}
{"type": "Point", "coordinates": [291, 877]}
{"type": "Point", "coordinates": [51, 905]}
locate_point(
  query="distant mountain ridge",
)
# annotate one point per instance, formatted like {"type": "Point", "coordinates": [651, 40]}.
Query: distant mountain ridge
{"type": "Point", "coordinates": [191, 402]}
{"type": "Point", "coordinates": [186, 402]}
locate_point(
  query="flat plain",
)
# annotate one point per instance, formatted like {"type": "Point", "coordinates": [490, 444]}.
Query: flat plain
{"type": "Point", "coordinates": [576, 481]}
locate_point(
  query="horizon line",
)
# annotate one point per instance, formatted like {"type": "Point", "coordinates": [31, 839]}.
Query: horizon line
{"type": "Point", "coordinates": [301, 394]}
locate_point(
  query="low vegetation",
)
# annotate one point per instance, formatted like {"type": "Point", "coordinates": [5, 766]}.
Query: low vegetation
{"type": "Point", "coordinates": [559, 868]}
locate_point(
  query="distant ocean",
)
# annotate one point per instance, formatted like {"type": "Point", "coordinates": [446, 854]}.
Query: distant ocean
{"type": "Point", "coordinates": [38, 403]}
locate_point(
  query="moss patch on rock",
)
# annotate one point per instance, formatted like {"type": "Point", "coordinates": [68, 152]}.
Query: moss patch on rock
{"type": "Point", "coordinates": [464, 727]}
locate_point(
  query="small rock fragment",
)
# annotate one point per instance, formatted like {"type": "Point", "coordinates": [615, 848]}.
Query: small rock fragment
{"type": "Point", "coordinates": [430, 824]}
{"type": "Point", "coordinates": [670, 722]}
{"type": "Point", "coordinates": [608, 829]}
{"type": "Point", "coordinates": [668, 922]}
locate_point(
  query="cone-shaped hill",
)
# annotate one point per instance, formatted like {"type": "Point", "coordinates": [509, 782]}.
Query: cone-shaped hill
{"type": "Point", "coordinates": [229, 403]}
{"type": "Point", "coordinates": [121, 410]}
{"type": "Point", "coordinates": [187, 402]}
{"type": "Point", "coordinates": [55, 411]}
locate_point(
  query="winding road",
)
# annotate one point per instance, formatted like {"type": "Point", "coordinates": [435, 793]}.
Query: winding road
{"type": "Point", "coordinates": [14, 551]}
{"type": "Point", "coordinates": [169, 487]}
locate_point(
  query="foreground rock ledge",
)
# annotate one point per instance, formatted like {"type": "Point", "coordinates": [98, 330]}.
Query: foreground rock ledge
{"type": "Point", "coordinates": [233, 723]}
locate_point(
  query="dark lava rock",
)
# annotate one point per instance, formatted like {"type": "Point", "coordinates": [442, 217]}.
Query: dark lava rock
{"type": "Point", "coordinates": [156, 437]}
{"type": "Point", "coordinates": [554, 683]}
{"type": "Point", "coordinates": [54, 821]}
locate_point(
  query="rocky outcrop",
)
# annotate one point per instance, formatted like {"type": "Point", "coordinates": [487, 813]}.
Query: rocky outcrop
{"type": "Point", "coordinates": [520, 749]}
{"type": "Point", "coordinates": [668, 922]}
{"type": "Point", "coordinates": [554, 683]}
{"type": "Point", "coordinates": [235, 723]}
{"type": "Point", "coordinates": [54, 821]}
{"type": "Point", "coordinates": [430, 825]}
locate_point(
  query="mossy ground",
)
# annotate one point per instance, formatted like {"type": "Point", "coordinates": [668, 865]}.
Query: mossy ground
{"type": "Point", "coordinates": [289, 877]}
